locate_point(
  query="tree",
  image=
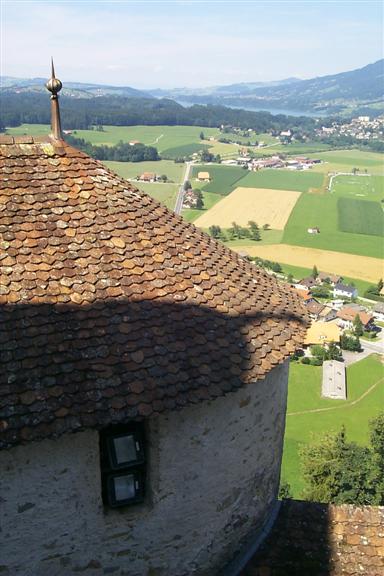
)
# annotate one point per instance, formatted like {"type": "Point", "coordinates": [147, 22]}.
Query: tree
{"type": "Point", "coordinates": [199, 199]}
{"type": "Point", "coordinates": [164, 177]}
{"type": "Point", "coordinates": [290, 278]}
{"type": "Point", "coordinates": [315, 271]}
{"type": "Point", "coordinates": [266, 226]}
{"type": "Point", "coordinates": [202, 135]}
{"type": "Point", "coordinates": [351, 343]}
{"type": "Point", "coordinates": [187, 185]}
{"type": "Point", "coordinates": [358, 327]}
{"type": "Point", "coordinates": [339, 471]}
{"type": "Point", "coordinates": [215, 231]}
{"type": "Point", "coordinates": [380, 285]}
{"type": "Point", "coordinates": [254, 230]}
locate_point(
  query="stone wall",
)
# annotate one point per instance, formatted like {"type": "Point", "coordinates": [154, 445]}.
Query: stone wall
{"type": "Point", "coordinates": [213, 477]}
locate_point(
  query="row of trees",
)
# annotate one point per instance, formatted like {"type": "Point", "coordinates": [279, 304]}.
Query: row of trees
{"type": "Point", "coordinates": [81, 113]}
{"type": "Point", "coordinates": [252, 231]}
{"type": "Point", "coordinates": [121, 152]}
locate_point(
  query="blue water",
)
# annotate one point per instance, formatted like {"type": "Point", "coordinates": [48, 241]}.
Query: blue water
{"type": "Point", "coordinates": [273, 111]}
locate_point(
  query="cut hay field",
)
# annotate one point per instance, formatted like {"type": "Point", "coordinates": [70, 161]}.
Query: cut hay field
{"type": "Point", "coordinates": [264, 206]}
{"type": "Point", "coordinates": [369, 269]}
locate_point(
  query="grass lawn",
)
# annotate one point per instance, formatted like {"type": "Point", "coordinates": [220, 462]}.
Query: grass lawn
{"type": "Point", "coordinates": [346, 160]}
{"type": "Point", "coordinates": [224, 179]}
{"type": "Point", "coordinates": [29, 130]}
{"type": "Point", "coordinates": [132, 169]}
{"type": "Point", "coordinates": [282, 180]}
{"type": "Point", "coordinates": [305, 394]}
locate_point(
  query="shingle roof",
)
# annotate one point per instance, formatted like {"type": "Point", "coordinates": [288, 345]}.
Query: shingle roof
{"type": "Point", "coordinates": [113, 307]}
{"type": "Point", "coordinates": [322, 540]}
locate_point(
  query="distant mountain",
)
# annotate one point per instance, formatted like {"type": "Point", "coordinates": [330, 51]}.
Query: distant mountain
{"type": "Point", "coordinates": [216, 90]}
{"type": "Point", "coordinates": [347, 92]}
{"type": "Point", "coordinates": [71, 89]}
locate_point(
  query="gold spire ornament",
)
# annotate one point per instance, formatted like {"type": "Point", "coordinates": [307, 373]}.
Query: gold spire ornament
{"type": "Point", "coordinates": [54, 86]}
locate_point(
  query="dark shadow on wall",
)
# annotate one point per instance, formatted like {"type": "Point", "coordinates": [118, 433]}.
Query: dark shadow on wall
{"type": "Point", "coordinates": [68, 367]}
{"type": "Point", "coordinates": [298, 545]}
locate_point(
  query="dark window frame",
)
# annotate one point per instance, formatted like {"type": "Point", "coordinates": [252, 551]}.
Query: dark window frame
{"type": "Point", "coordinates": [111, 469]}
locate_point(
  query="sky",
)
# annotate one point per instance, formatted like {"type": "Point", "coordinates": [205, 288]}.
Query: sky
{"type": "Point", "coordinates": [172, 43]}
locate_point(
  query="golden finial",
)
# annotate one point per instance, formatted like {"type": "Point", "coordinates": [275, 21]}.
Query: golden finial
{"type": "Point", "coordinates": [54, 86]}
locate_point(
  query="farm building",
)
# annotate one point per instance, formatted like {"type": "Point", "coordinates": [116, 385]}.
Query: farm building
{"type": "Point", "coordinates": [345, 291]}
{"type": "Point", "coordinates": [203, 177]}
{"type": "Point", "coordinates": [148, 177]}
{"type": "Point", "coordinates": [314, 230]}
{"type": "Point", "coordinates": [322, 333]}
{"type": "Point", "coordinates": [144, 380]}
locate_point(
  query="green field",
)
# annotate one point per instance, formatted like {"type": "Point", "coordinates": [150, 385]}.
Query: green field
{"type": "Point", "coordinates": [185, 150]}
{"type": "Point", "coordinates": [346, 160]}
{"type": "Point", "coordinates": [360, 216]}
{"type": "Point", "coordinates": [361, 187]}
{"type": "Point", "coordinates": [282, 180]}
{"type": "Point", "coordinates": [224, 179]}
{"type": "Point", "coordinates": [304, 394]}
{"type": "Point", "coordinates": [129, 170]}
{"type": "Point", "coordinates": [321, 210]}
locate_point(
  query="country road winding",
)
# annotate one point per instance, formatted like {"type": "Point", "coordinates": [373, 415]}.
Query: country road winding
{"type": "Point", "coordinates": [180, 195]}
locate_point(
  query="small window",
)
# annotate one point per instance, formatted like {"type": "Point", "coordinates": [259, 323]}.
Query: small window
{"type": "Point", "coordinates": [122, 464]}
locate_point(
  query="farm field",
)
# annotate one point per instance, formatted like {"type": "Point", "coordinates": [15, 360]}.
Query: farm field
{"type": "Point", "coordinates": [360, 216]}
{"type": "Point", "coordinates": [304, 395]}
{"type": "Point", "coordinates": [130, 170]}
{"type": "Point", "coordinates": [283, 180]}
{"type": "Point", "coordinates": [347, 265]}
{"type": "Point", "coordinates": [359, 187]}
{"type": "Point", "coordinates": [264, 206]}
{"type": "Point", "coordinates": [223, 178]}
{"type": "Point", "coordinates": [321, 210]}
{"type": "Point", "coordinates": [346, 160]}
{"type": "Point", "coordinates": [164, 193]}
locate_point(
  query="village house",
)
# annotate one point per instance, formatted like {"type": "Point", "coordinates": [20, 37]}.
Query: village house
{"type": "Point", "coordinates": [327, 314]}
{"type": "Point", "coordinates": [344, 291]}
{"type": "Point", "coordinates": [144, 378]}
{"type": "Point", "coordinates": [378, 311]}
{"type": "Point", "coordinates": [347, 315]}
{"type": "Point", "coordinates": [314, 308]}
{"type": "Point", "coordinates": [328, 278]}
{"type": "Point", "coordinates": [306, 283]}
{"type": "Point", "coordinates": [322, 333]}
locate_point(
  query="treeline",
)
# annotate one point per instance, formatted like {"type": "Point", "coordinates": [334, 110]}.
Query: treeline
{"type": "Point", "coordinates": [121, 152]}
{"type": "Point", "coordinates": [81, 113]}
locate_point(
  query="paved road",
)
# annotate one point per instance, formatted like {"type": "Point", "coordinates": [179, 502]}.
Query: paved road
{"type": "Point", "coordinates": [180, 195]}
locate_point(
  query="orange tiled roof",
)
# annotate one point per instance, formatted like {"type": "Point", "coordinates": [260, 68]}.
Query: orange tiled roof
{"type": "Point", "coordinates": [113, 307]}
{"type": "Point", "coordinates": [351, 313]}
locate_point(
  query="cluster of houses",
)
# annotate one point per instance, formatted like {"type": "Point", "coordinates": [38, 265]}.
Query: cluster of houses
{"type": "Point", "coordinates": [331, 319]}
{"type": "Point", "coordinates": [190, 198]}
{"type": "Point", "coordinates": [361, 128]}
{"type": "Point", "coordinates": [277, 161]}
{"type": "Point", "coordinates": [147, 177]}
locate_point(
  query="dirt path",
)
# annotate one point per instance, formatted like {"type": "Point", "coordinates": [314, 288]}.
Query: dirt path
{"type": "Point", "coordinates": [157, 139]}
{"type": "Point", "coordinates": [337, 407]}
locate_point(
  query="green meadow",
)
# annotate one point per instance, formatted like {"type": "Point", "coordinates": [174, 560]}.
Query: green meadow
{"type": "Point", "coordinates": [346, 160]}
{"type": "Point", "coordinates": [224, 179]}
{"type": "Point", "coordinates": [283, 180]}
{"type": "Point", "coordinates": [305, 424]}
{"type": "Point", "coordinates": [130, 170]}
{"type": "Point", "coordinates": [343, 227]}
